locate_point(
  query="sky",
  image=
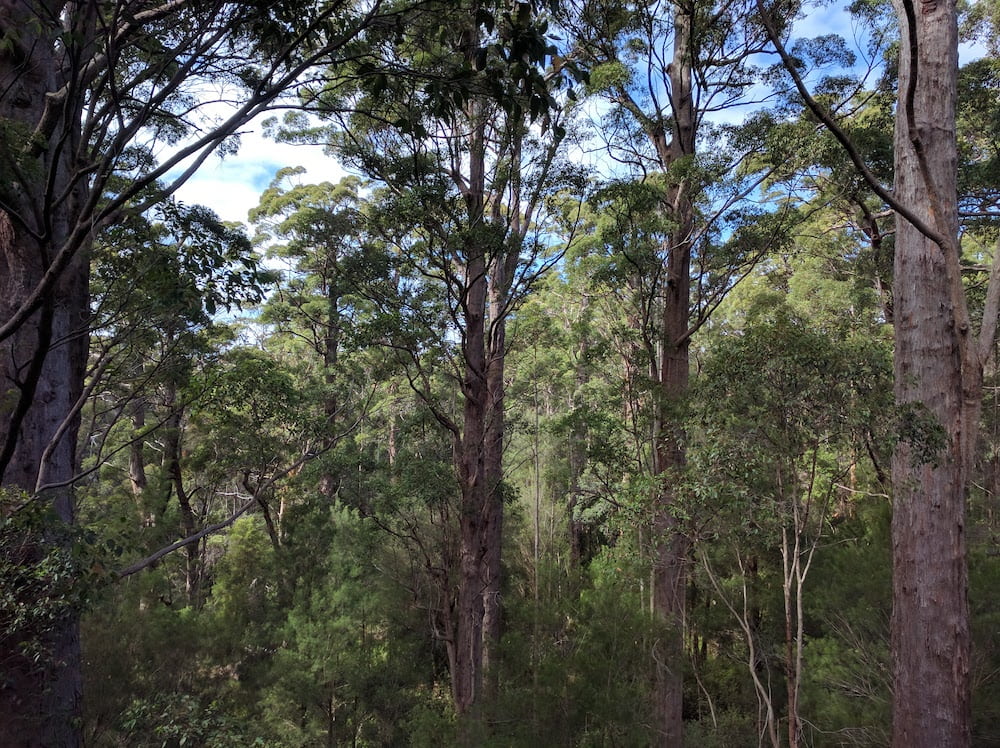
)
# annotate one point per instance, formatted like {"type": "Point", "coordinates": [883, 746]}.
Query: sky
{"type": "Point", "coordinates": [231, 186]}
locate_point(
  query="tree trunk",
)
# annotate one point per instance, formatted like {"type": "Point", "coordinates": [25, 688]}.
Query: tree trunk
{"type": "Point", "coordinates": [137, 459]}
{"type": "Point", "coordinates": [175, 474]}
{"type": "Point", "coordinates": [328, 482]}
{"type": "Point", "coordinates": [493, 531]}
{"type": "Point", "coordinates": [475, 514]}
{"type": "Point", "coordinates": [41, 378]}
{"type": "Point", "coordinates": [470, 462]}
{"type": "Point", "coordinates": [670, 555]}
{"type": "Point", "coordinates": [935, 374]}
{"type": "Point", "coordinates": [479, 448]}
{"type": "Point", "coordinates": [577, 450]}
{"type": "Point", "coordinates": [43, 359]}
{"type": "Point", "coordinates": [792, 594]}
{"type": "Point", "coordinates": [479, 459]}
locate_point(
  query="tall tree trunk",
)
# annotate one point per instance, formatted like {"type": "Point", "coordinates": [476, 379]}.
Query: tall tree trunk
{"type": "Point", "coordinates": [499, 291]}
{"type": "Point", "coordinates": [136, 454]}
{"type": "Point", "coordinates": [577, 449]}
{"type": "Point", "coordinates": [41, 378]}
{"type": "Point", "coordinates": [43, 359]}
{"type": "Point", "coordinates": [470, 457]}
{"type": "Point", "coordinates": [935, 372]}
{"type": "Point", "coordinates": [479, 448]}
{"type": "Point", "coordinates": [792, 593]}
{"type": "Point", "coordinates": [329, 482]}
{"type": "Point", "coordinates": [479, 462]}
{"type": "Point", "coordinates": [670, 554]}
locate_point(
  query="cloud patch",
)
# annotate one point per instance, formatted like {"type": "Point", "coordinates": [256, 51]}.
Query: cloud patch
{"type": "Point", "coordinates": [232, 185]}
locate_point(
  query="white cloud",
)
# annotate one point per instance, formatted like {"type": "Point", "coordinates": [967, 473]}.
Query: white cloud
{"type": "Point", "coordinates": [232, 185]}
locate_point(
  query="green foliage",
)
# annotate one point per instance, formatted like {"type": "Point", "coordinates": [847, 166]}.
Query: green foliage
{"type": "Point", "coordinates": [177, 271]}
{"type": "Point", "coordinates": [609, 76]}
{"type": "Point", "coordinates": [780, 390]}
{"type": "Point", "coordinates": [178, 720]}
{"type": "Point", "coordinates": [979, 150]}
{"type": "Point", "coordinates": [577, 672]}
{"type": "Point", "coordinates": [984, 574]}
{"type": "Point", "coordinates": [323, 612]}
{"type": "Point", "coordinates": [49, 571]}
{"type": "Point", "coordinates": [733, 728]}
{"type": "Point", "coordinates": [846, 687]}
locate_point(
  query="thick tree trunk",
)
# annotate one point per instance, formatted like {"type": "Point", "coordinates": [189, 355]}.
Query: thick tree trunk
{"type": "Point", "coordinates": [479, 459]}
{"type": "Point", "coordinates": [43, 359]}
{"type": "Point", "coordinates": [670, 559]}
{"type": "Point", "coordinates": [670, 555]}
{"type": "Point", "coordinates": [935, 374]}
{"type": "Point", "coordinates": [467, 679]}
{"type": "Point", "coordinates": [479, 447]}
{"type": "Point", "coordinates": [41, 378]}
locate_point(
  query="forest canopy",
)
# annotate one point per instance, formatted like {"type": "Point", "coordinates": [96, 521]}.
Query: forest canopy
{"type": "Point", "coordinates": [636, 385]}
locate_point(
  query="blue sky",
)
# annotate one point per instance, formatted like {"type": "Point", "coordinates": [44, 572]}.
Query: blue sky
{"type": "Point", "coordinates": [231, 186]}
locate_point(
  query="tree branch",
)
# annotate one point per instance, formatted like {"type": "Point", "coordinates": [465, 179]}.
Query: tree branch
{"type": "Point", "coordinates": [264, 485]}
{"type": "Point", "coordinates": [154, 557]}
{"type": "Point", "coordinates": [823, 116]}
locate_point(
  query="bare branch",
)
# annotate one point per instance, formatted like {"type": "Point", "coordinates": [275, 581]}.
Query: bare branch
{"type": "Point", "coordinates": [154, 557]}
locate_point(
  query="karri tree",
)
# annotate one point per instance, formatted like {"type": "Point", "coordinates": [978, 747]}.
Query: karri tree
{"type": "Point", "coordinates": [157, 282]}
{"type": "Point", "coordinates": [939, 361]}
{"type": "Point", "coordinates": [318, 230]}
{"type": "Point", "coordinates": [462, 130]}
{"type": "Point", "coordinates": [92, 93]}
{"type": "Point", "coordinates": [666, 69]}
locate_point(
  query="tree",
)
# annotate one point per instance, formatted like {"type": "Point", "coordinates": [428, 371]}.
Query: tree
{"type": "Point", "coordinates": [784, 410]}
{"type": "Point", "coordinates": [666, 67]}
{"type": "Point", "coordinates": [938, 367]}
{"type": "Point", "coordinates": [318, 229]}
{"type": "Point", "coordinates": [463, 134]}
{"type": "Point", "coordinates": [938, 371]}
{"type": "Point", "coordinates": [157, 283]}
{"type": "Point", "coordinates": [92, 93]}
